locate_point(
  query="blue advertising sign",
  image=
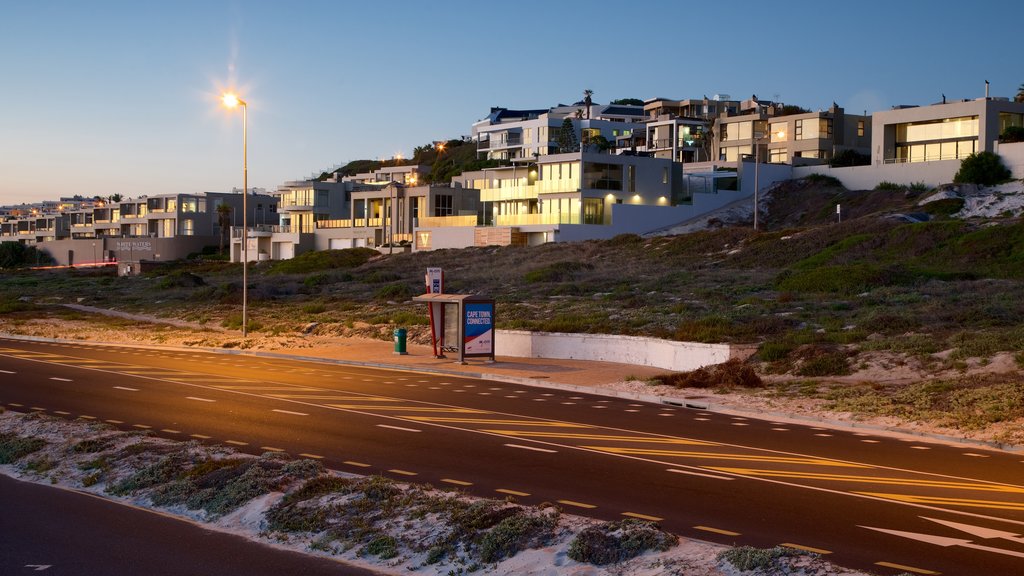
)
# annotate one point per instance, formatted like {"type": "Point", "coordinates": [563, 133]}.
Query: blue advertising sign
{"type": "Point", "coordinates": [478, 328]}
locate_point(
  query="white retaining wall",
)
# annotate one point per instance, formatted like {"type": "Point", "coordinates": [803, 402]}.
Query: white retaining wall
{"type": "Point", "coordinates": [637, 350]}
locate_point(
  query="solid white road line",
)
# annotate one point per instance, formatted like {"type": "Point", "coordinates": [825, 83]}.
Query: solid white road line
{"type": "Point", "coordinates": [126, 388]}
{"type": "Point", "coordinates": [60, 379]}
{"type": "Point", "coordinates": [398, 428]}
{"type": "Point", "coordinates": [535, 449]}
{"type": "Point", "coordinates": [699, 474]}
{"type": "Point", "coordinates": [289, 412]}
{"type": "Point", "coordinates": [199, 399]}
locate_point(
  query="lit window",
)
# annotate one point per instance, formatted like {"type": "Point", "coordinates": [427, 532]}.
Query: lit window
{"type": "Point", "coordinates": [860, 128]}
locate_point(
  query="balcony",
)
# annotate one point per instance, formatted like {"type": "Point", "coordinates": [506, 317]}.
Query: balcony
{"type": "Point", "coordinates": [508, 193]}
{"type": "Point", "coordinates": [536, 219]}
{"type": "Point", "coordinates": [500, 141]}
{"type": "Point", "coordinates": [447, 221]}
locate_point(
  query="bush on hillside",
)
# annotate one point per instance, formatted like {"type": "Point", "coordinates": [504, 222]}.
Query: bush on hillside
{"type": "Point", "coordinates": [983, 168]}
{"type": "Point", "coordinates": [1012, 134]}
{"type": "Point", "coordinates": [823, 179]}
{"type": "Point", "coordinates": [323, 260]}
{"type": "Point", "coordinates": [16, 254]}
{"type": "Point", "coordinates": [849, 158]}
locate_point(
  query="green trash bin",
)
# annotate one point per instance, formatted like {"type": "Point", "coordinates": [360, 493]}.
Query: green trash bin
{"type": "Point", "coordinates": [400, 336]}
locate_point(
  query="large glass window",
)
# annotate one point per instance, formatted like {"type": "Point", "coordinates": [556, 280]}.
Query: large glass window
{"type": "Point", "coordinates": [593, 211]}
{"type": "Point", "coordinates": [778, 131]}
{"type": "Point", "coordinates": [944, 129]}
{"type": "Point", "coordinates": [778, 156]}
{"type": "Point", "coordinates": [597, 176]}
{"type": "Point", "coordinates": [1008, 119]}
{"type": "Point", "coordinates": [812, 128]}
{"type": "Point", "coordinates": [737, 131]}
{"type": "Point", "coordinates": [443, 205]}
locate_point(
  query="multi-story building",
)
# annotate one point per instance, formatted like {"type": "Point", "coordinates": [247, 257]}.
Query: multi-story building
{"type": "Point", "coordinates": [944, 131]}
{"type": "Point", "coordinates": [172, 226]}
{"type": "Point", "coordinates": [524, 134]}
{"type": "Point", "coordinates": [766, 133]}
{"type": "Point", "coordinates": [571, 196]}
{"type": "Point", "coordinates": [680, 129]}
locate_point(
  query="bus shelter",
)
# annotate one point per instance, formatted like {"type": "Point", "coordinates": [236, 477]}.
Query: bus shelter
{"type": "Point", "coordinates": [462, 324]}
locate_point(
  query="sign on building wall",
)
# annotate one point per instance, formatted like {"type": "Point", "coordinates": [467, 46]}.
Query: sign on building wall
{"type": "Point", "coordinates": [478, 331]}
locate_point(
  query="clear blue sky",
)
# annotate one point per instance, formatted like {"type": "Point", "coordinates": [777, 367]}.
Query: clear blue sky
{"type": "Point", "coordinates": [107, 97]}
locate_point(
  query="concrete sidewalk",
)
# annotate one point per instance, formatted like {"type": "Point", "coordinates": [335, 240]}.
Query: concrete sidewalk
{"type": "Point", "coordinates": [380, 354]}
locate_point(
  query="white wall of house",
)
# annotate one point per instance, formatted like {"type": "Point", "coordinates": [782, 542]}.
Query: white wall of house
{"type": "Point", "coordinates": [867, 177]}
{"type": "Point", "coordinates": [452, 237]}
{"type": "Point", "coordinates": [1013, 157]}
{"type": "Point", "coordinates": [637, 350]}
{"type": "Point", "coordinates": [643, 219]}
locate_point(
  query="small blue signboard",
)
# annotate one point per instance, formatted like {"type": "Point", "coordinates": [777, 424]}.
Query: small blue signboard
{"type": "Point", "coordinates": [478, 331]}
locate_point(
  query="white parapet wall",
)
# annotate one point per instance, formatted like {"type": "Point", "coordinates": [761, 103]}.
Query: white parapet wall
{"type": "Point", "coordinates": [637, 350]}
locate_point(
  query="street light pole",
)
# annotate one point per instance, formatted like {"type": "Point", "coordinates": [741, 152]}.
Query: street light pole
{"type": "Point", "coordinates": [232, 101]}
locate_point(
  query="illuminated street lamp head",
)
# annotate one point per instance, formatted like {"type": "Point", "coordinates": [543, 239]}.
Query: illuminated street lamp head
{"type": "Point", "coordinates": [231, 100]}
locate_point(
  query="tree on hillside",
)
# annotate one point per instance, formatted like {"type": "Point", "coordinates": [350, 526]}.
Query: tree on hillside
{"type": "Point", "coordinates": [983, 168]}
{"type": "Point", "coordinates": [1012, 134]}
{"type": "Point", "coordinates": [587, 100]}
{"type": "Point", "coordinates": [567, 141]}
{"type": "Point", "coordinates": [627, 102]}
{"type": "Point", "coordinates": [224, 213]}
{"type": "Point", "coordinates": [1020, 94]}
{"type": "Point", "coordinates": [849, 158]}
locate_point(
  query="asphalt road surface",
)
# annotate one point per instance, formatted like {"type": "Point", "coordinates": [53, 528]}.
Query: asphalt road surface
{"type": "Point", "coordinates": [59, 532]}
{"type": "Point", "coordinates": [863, 500]}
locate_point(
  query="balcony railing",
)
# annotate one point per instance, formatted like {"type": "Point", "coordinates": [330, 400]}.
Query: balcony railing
{"type": "Point", "coordinates": [508, 193]}
{"type": "Point", "coordinates": [446, 221]}
{"type": "Point", "coordinates": [536, 219]}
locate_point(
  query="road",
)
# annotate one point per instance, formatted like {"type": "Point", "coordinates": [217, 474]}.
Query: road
{"type": "Point", "coordinates": [61, 532]}
{"type": "Point", "coordinates": [865, 501]}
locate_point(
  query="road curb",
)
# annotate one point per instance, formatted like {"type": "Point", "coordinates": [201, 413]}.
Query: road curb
{"type": "Point", "coordinates": [673, 401]}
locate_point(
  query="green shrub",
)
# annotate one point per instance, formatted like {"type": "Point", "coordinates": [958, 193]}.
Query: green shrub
{"type": "Point", "coordinates": [823, 179]}
{"type": "Point", "coordinates": [317, 260]}
{"type": "Point", "coordinates": [384, 547]}
{"type": "Point", "coordinates": [944, 208]}
{"type": "Point", "coordinates": [14, 447]}
{"type": "Point", "coordinates": [827, 364]}
{"type": "Point", "coordinates": [885, 185]}
{"type": "Point", "coordinates": [318, 279]}
{"type": "Point", "coordinates": [613, 542]}
{"type": "Point", "coordinates": [314, 308]}
{"type": "Point", "coordinates": [517, 532]}
{"type": "Point", "coordinates": [774, 351]}
{"type": "Point", "coordinates": [1012, 134]}
{"type": "Point", "coordinates": [748, 558]}
{"type": "Point", "coordinates": [983, 168]}
{"type": "Point", "coordinates": [396, 291]}
{"type": "Point", "coordinates": [557, 272]}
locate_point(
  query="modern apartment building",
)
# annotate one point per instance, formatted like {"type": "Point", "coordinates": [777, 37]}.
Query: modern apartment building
{"type": "Point", "coordinates": [172, 226]}
{"type": "Point", "coordinates": [524, 134]}
{"type": "Point", "coordinates": [766, 133]}
{"type": "Point", "coordinates": [680, 129]}
{"type": "Point", "coordinates": [944, 131]}
{"type": "Point", "coordinates": [555, 196]}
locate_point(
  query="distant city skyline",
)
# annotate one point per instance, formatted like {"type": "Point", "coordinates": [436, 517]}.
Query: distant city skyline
{"type": "Point", "coordinates": [122, 97]}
